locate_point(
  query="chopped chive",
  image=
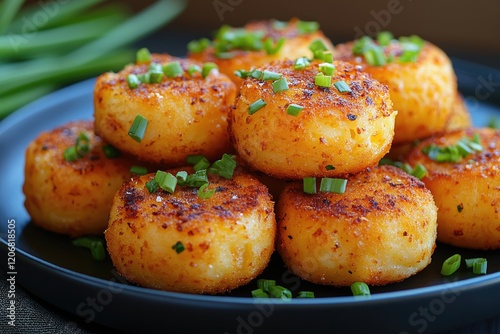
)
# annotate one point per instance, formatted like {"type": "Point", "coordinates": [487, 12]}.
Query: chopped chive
{"type": "Point", "coordinates": [317, 45]}
{"type": "Point", "coordinates": [133, 81]}
{"type": "Point", "coordinates": [204, 193]}
{"type": "Point", "coordinates": [178, 247]}
{"type": "Point", "coordinates": [327, 68]}
{"type": "Point", "coordinates": [265, 284]}
{"type": "Point", "coordinates": [301, 63]}
{"type": "Point", "coordinates": [198, 46]}
{"type": "Point", "coordinates": [143, 77]}
{"type": "Point", "coordinates": [322, 80]}
{"type": "Point", "coordinates": [309, 185]}
{"type": "Point", "coordinates": [419, 171]}
{"type": "Point", "coordinates": [269, 75]}
{"type": "Point", "coordinates": [307, 27]}
{"type": "Point", "coordinates": [110, 151]}
{"type": "Point", "coordinates": [479, 265]}
{"type": "Point", "coordinates": [201, 164]}
{"type": "Point", "coordinates": [453, 153]}
{"type": "Point", "coordinates": [224, 167]}
{"type": "Point", "coordinates": [193, 159]}
{"type": "Point", "coordinates": [70, 154]}
{"type": "Point", "coordinates": [451, 265]}
{"type": "Point", "coordinates": [173, 69]}
{"type": "Point", "coordinates": [333, 185]}
{"type": "Point", "coordinates": [259, 293]}
{"type": "Point", "coordinates": [280, 85]}
{"type": "Point", "coordinates": [256, 106]}
{"type": "Point", "coordinates": [330, 167]}
{"type": "Point", "coordinates": [138, 170]}
{"type": "Point", "coordinates": [360, 289]}
{"type": "Point", "coordinates": [166, 181]}
{"type": "Point", "coordinates": [197, 179]}
{"type": "Point", "coordinates": [278, 291]}
{"type": "Point", "coordinates": [155, 77]}
{"type": "Point", "coordinates": [192, 69]}
{"type": "Point", "coordinates": [207, 68]}
{"type": "Point", "coordinates": [375, 56]}
{"type": "Point", "coordinates": [271, 47]}
{"type": "Point", "coordinates": [342, 87]}
{"type": "Point", "coordinates": [96, 246]}
{"type": "Point", "coordinates": [143, 56]}
{"type": "Point", "coordinates": [326, 56]}
{"type": "Point", "coordinates": [384, 38]}
{"type": "Point", "coordinates": [294, 109]}
{"type": "Point", "coordinates": [305, 294]}
{"type": "Point", "coordinates": [152, 186]}
{"type": "Point", "coordinates": [181, 177]}
{"type": "Point", "coordinates": [138, 128]}
{"type": "Point", "coordinates": [460, 207]}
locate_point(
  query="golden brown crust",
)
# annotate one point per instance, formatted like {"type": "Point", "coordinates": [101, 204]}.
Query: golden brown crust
{"type": "Point", "coordinates": [466, 192]}
{"type": "Point", "coordinates": [71, 198]}
{"type": "Point", "coordinates": [424, 92]}
{"type": "Point", "coordinates": [338, 239]}
{"type": "Point", "coordinates": [228, 238]}
{"type": "Point", "coordinates": [350, 131]}
{"type": "Point", "coordinates": [186, 115]}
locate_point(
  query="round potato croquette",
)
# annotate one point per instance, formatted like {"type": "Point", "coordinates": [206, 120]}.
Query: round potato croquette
{"type": "Point", "coordinates": [423, 92]}
{"type": "Point", "coordinates": [225, 241]}
{"type": "Point", "coordinates": [335, 133]}
{"type": "Point", "coordinates": [185, 114]}
{"type": "Point", "coordinates": [71, 197]}
{"type": "Point", "coordinates": [381, 230]}
{"type": "Point", "coordinates": [296, 44]}
{"type": "Point", "coordinates": [467, 192]}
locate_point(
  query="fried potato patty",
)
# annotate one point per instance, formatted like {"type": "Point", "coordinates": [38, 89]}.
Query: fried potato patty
{"type": "Point", "coordinates": [334, 134]}
{"type": "Point", "coordinates": [71, 197]}
{"type": "Point", "coordinates": [186, 114]}
{"type": "Point", "coordinates": [466, 192]}
{"type": "Point", "coordinates": [381, 230]}
{"type": "Point", "coordinates": [226, 240]}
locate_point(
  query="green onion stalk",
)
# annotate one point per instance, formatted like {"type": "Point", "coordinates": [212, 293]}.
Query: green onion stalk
{"type": "Point", "coordinates": [46, 45]}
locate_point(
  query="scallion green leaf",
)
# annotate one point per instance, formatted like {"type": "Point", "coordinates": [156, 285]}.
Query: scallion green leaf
{"type": "Point", "coordinates": [280, 85]}
{"type": "Point", "coordinates": [301, 63]}
{"type": "Point", "coordinates": [143, 56]}
{"type": "Point", "coordinates": [307, 27]}
{"type": "Point", "coordinates": [138, 128]}
{"type": "Point", "coordinates": [309, 185]}
{"type": "Point", "coordinates": [360, 289]}
{"type": "Point", "coordinates": [138, 170]}
{"type": "Point", "coordinates": [451, 265]}
{"type": "Point", "coordinates": [224, 167]}
{"type": "Point", "coordinates": [173, 69]}
{"type": "Point", "coordinates": [342, 87]}
{"type": "Point", "coordinates": [322, 80]}
{"type": "Point", "coordinates": [204, 193]}
{"type": "Point", "coordinates": [294, 109]}
{"type": "Point", "coordinates": [133, 81]}
{"type": "Point", "coordinates": [110, 151]}
{"type": "Point", "coordinates": [207, 68]}
{"type": "Point", "coordinates": [305, 294]}
{"type": "Point", "coordinates": [384, 38]}
{"type": "Point", "coordinates": [166, 181]}
{"type": "Point", "coordinates": [333, 185]}
{"type": "Point", "coordinates": [95, 244]}
{"type": "Point", "coordinates": [280, 292]}
{"type": "Point", "coordinates": [198, 46]}
{"type": "Point", "coordinates": [256, 106]}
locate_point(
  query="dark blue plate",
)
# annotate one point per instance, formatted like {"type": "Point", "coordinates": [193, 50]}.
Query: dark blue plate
{"type": "Point", "coordinates": [65, 276]}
